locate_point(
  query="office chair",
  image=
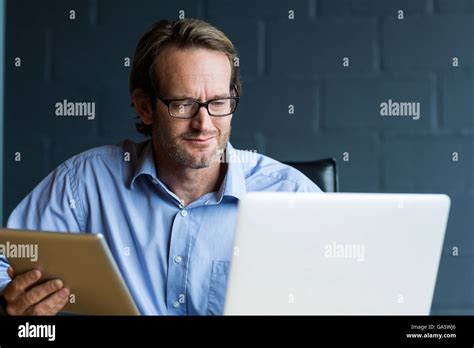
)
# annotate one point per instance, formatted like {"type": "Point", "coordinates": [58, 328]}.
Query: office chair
{"type": "Point", "coordinates": [322, 172]}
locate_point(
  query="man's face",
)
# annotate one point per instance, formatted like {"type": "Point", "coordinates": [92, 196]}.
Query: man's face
{"type": "Point", "coordinates": [198, 74]}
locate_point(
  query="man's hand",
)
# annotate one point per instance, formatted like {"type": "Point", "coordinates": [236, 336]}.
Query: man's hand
{"type": "Point", "coordinates": [23, 297]}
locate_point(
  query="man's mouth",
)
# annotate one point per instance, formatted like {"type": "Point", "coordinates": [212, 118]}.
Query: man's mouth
{"type": "Point", "coordinates": [200, 140]}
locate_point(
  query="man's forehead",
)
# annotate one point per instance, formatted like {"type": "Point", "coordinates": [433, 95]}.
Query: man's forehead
{"type": "Point", "coordinates": [194, 66]}
{"type": "Point", "coordinates": [199, 77]}
{"type": "Point", "coordinates": [188, 84]}
{"type": "Point", "coordinates": [194, 76]}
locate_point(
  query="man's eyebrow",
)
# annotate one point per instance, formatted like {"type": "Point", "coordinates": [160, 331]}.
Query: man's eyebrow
{"type": "Point", "coordinates": [183, 96]}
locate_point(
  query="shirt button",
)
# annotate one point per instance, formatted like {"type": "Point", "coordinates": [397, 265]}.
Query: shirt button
{"type": "Point", "coordinates": [206, 202]}
{"type": "Point", "coordinates": [176, 304]}
{"type": "Point", "coordinates": [184, 212]}
{"type": "Point", "coordinates": [178, 259]}
{"type": "Point", "coordinates": [181, 205]}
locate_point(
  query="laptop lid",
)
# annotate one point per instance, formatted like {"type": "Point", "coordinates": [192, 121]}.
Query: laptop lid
{"type": "Point", "coordinates": [336, 253]}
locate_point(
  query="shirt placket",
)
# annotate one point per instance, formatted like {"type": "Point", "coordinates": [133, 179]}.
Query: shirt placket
{"type": "Point", "coordinates": [177, 263]}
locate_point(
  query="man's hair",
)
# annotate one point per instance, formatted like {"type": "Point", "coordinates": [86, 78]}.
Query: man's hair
{"type": "Point", "coordinates": [183, 33]}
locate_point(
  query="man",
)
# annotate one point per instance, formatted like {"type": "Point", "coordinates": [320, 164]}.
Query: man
{"type": "Point", "coordinates": [167, 206]}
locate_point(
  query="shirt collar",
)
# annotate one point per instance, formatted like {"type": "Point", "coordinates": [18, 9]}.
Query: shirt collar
{"type": "Point", "coordinates": [233, 184]}
{"type": "Point", "coordinates": [234, 180]}
{"type": "Point", "coordinates": [145, 164]}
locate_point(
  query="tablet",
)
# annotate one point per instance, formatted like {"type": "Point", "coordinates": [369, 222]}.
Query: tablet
{"type": "Point", "coordinates": [82, 261]}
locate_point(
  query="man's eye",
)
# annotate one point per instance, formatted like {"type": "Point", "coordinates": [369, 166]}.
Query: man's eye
{"type": "Point", "coordinates": [184, 104]}
{"type": "Point", "coordinates": [218, 103]}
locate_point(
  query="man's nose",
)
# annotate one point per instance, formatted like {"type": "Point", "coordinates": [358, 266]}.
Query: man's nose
{"type": "Point", "coordinates": [202, 121]}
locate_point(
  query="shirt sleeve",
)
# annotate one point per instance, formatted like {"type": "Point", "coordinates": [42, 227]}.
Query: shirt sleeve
{"type": "Point", "coordinates": [53, 205]}
{"type": "Point", "coordinates": [308, 186]}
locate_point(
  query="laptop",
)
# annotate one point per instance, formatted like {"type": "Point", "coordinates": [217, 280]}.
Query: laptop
{"type": "Point", "coordinates": [336, 254]}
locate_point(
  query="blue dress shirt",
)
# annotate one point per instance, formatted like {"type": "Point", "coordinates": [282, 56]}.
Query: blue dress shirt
{"type": "Point", "coordinates": [174, 258]}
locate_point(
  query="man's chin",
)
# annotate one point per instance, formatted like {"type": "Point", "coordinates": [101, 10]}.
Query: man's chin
{"type": "Point", "coordinates": [200, 158]}
{"type": "Point", "coordinates": [197, 156]}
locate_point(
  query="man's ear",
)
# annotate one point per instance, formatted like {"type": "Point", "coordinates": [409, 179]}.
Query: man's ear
{"type": "Point", "coordinates": [142, 104]}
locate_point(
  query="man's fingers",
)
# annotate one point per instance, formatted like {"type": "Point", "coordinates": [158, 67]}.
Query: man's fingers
{"type": "Point", "coordinates": [37, 294]}
{"type": "Point", "coordinates": [21, 282]}
{"type": "Point", "coordinates": [11, 272]}
{"type": "Point", "coordinates": [65, 300]}
{"type": "Point", "coordinates": [50, 305]}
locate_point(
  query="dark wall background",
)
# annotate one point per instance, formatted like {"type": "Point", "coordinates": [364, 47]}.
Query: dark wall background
{"type": "Point", "coordinates": [297, 62]}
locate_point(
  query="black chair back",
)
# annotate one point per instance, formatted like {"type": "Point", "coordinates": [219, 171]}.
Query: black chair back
{"type": "Point", "coordinates": [322, 172]}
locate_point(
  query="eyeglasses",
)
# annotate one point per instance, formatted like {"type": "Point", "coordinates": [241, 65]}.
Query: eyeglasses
{"type": "Point", "coordinates": [188, 108]}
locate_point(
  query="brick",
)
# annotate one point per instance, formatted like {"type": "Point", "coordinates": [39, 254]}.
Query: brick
{"type": "Point", "coordinates": [76, 55]}
{"type": "Point", "coordinates": [305, 48]}
{"type": "Point", "coordinates": [460, 226]}
{"type": "Point", "coordinates": [358, 174]}
{"type": "Point", "coordinates": [60, 13]}
{"type": "Point", "coordinates": [424, 163]}
{"type": "Point", "coordinates": [457, 94]}
{"type": "Point", "coordinates": [98, 53]}
{"type": "Point", "coordinates": [257, 10]}
{"type": "Point", "coordinates": [110, 57]}
{"type": "Point", "coordinates": [354, 102]}
{"type": "Point", "coordinates": [248, 41]}
{"type": "Point", "coordinates": [455, 283]}
{"type": "Point", "coordinates": [31, 38]}
{"type": "Point", "coordinates": [455, 6]}
{"type": "Point", "coordinates": [118, 117]}
{"type": "Point", "coordinates": [20, 177]}
{"type": "Point", "coordinates": [264, 107]}
{"type": "Point", "coordinates": [372, 7]}
{"type": "Point", "coordinates": [32, 15]}
{"type": "Point", "coordinates": [427, 42]}
{"type": "Point", "coordinates": [437, 309]}
{"type": "Point", "coordinates": [30, 47]}
{"type": "Point", "coordinates": [37, 115]}
{"type": "Point", "coordinates": [143, 13]}
{"type": "Point", "coordinates": [94, 55]}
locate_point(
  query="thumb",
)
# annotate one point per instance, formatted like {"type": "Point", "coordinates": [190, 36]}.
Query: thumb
{"type": "Point", "coordinates": [11, 272]}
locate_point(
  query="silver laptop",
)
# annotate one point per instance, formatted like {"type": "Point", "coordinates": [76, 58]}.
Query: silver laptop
{"type": "Point", "coordinates": [336, 253]}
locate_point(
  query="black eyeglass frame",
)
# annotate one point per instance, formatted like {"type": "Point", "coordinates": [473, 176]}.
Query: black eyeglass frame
{"type": "Point", "coordinates": [168, 102]}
